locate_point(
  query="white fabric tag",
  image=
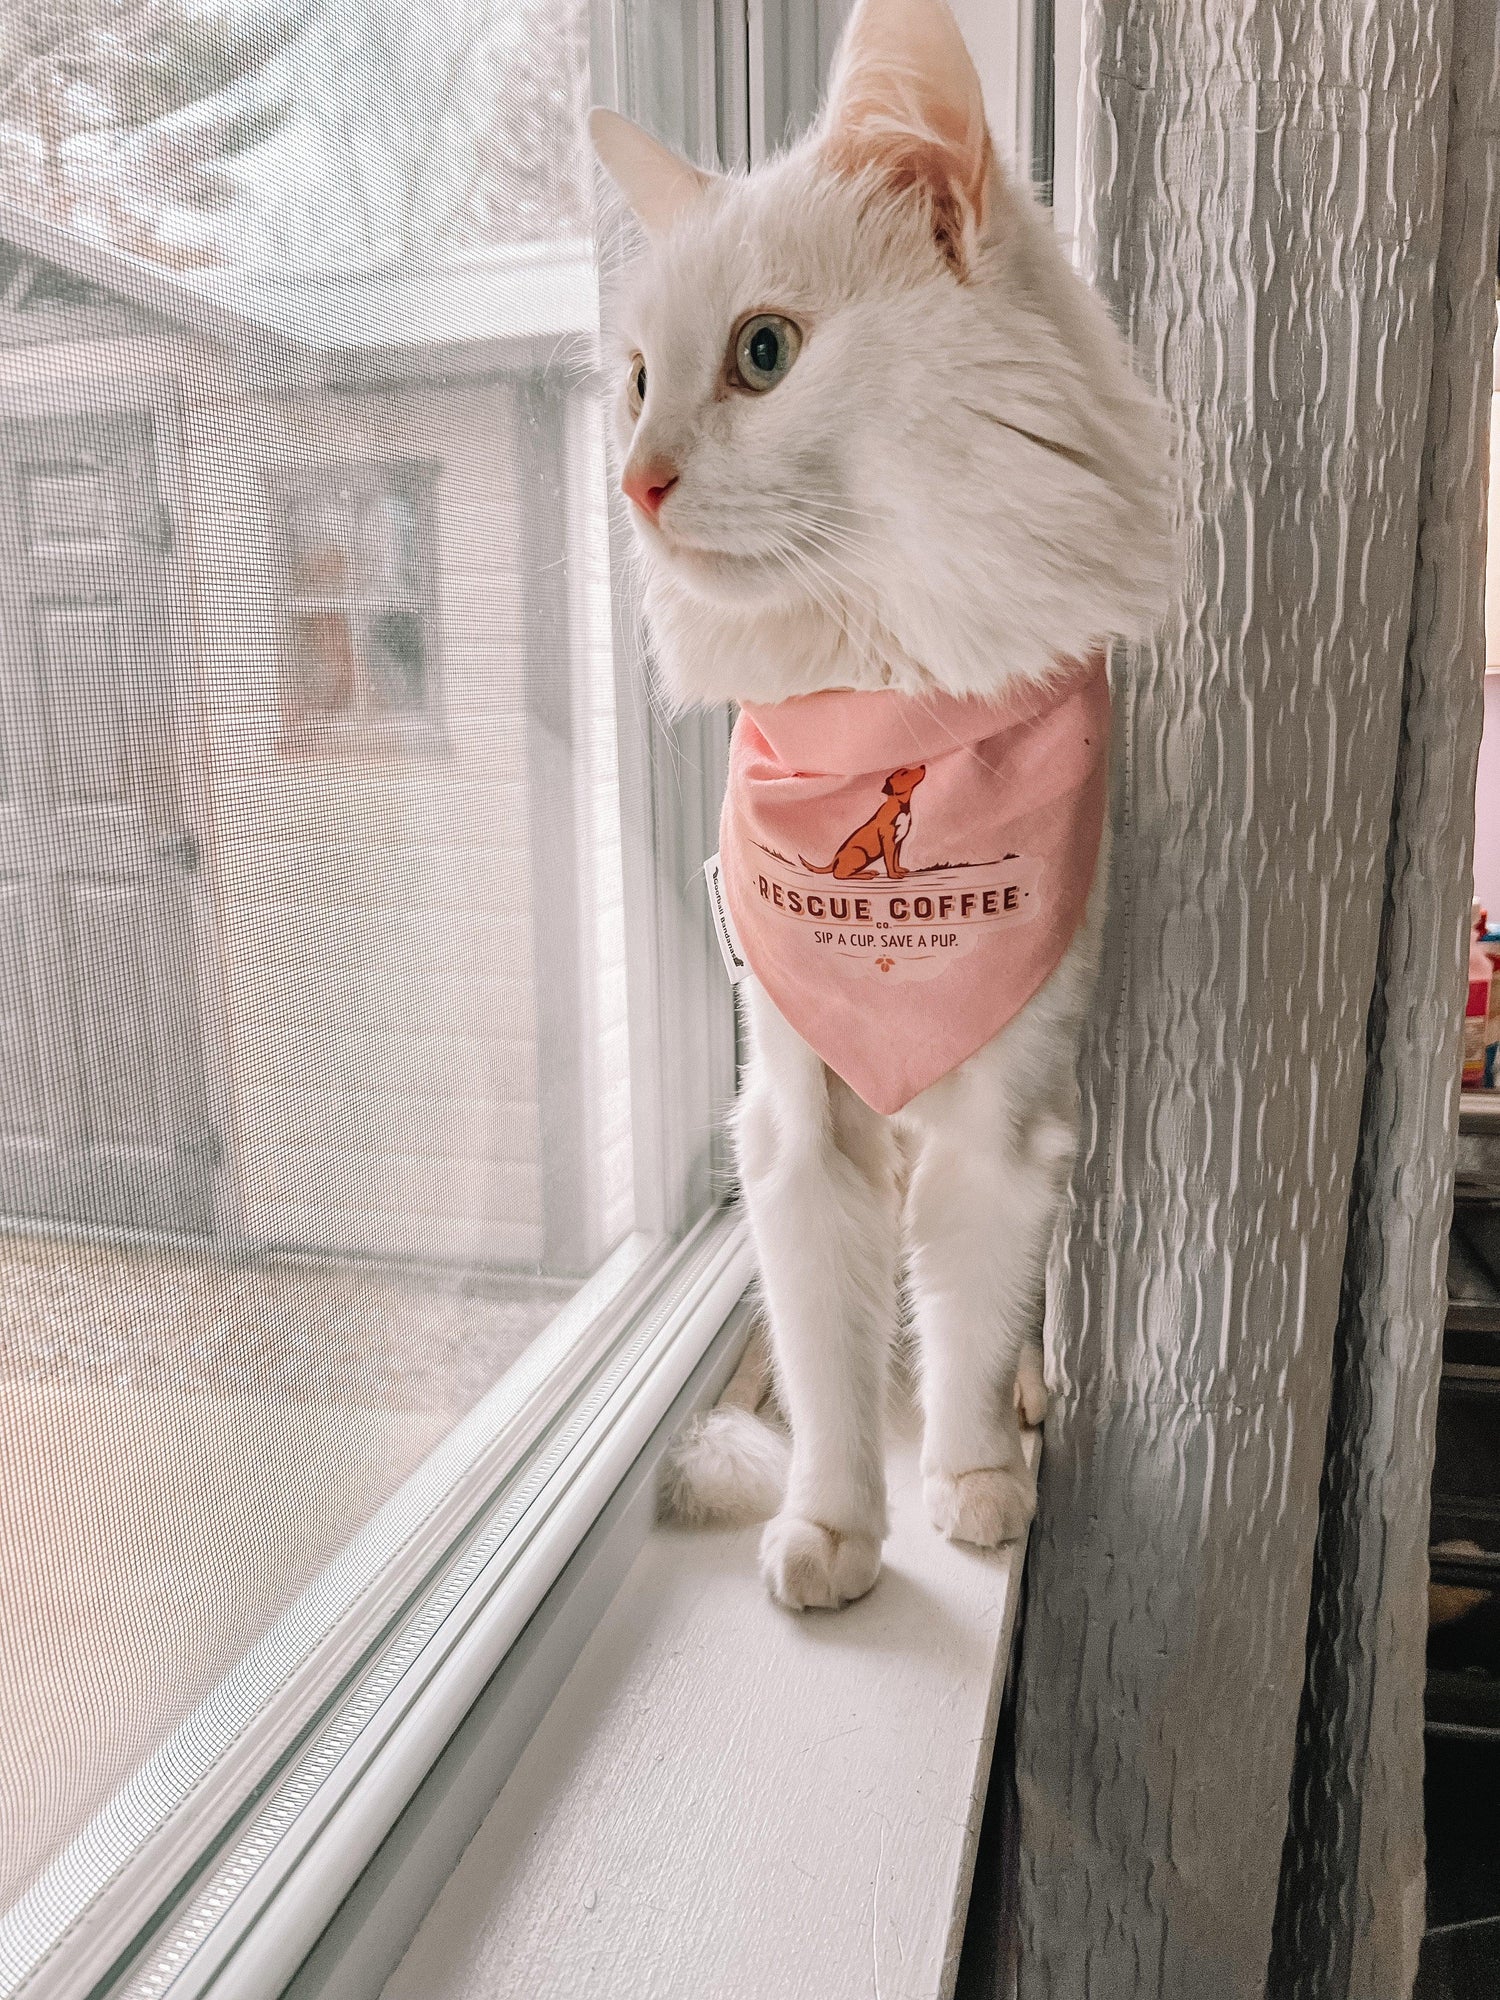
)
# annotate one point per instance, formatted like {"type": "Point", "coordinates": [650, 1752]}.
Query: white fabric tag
{"type": "Point", "coordinates": [735, 963]}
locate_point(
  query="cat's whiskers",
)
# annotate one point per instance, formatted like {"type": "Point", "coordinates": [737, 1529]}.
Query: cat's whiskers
{"type": "Point", "coordinates": [815, 507]}
{"type": "Point", "coordinates": [822, 502]}
{"type": "Point", "coordinates": [835, 549]}
{"type": "Point", "coordinates": [810, 535]}
{"type": "Point", "coordinates": [832, 532]}
{"type": "Point", "coordinates": [840, 556]}
{"type": "Point", "coordinates": [816, 581]}
{"type": "Point", "coordinates": [838, 591]}
{"type": "Point", "coordinates": [830, 535]}
{"type": "Point", "coordinates": [827, 556]}
{"type": "Point", "coordinates": [807, 579]}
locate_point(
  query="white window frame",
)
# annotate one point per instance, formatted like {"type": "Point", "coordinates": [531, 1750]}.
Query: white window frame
{"type": "Point", "coordinates": [315, 1891]}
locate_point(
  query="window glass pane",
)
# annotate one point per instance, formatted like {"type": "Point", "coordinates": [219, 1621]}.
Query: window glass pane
{"type": "Point", "coordinates": [396, 662]}
{"type": "Point", "coordinates": [320, 534]}
{"type": "Point", "coordinates": [328, 906]}
{"type": "Point", "coordinates": [390, 539]}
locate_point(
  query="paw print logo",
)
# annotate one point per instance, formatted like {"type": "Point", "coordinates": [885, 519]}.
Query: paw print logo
{"type": "Point", "coordinates": [885, 964]}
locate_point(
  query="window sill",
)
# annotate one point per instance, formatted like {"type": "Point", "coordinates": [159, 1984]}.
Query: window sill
{"type": "Point", "coordinates": [727, 1799]}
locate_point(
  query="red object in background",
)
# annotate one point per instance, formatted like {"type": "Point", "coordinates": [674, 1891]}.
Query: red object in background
{"type": "Point", "coordinates": [1477, 1011]}
{"type": "Point", "coordinates": [1491, 948]}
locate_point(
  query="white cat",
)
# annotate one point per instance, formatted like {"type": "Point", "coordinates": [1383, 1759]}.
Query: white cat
{"type": "Point", "coordinates": [877, 435]}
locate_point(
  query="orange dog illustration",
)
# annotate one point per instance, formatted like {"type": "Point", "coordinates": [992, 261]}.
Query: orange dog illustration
{"type": "Point", "coordinates": [880, 838]}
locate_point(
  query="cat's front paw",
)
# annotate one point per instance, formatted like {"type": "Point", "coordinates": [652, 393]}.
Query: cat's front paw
{"type": "Point", "coordinates": [808, 1567]}
{"type": "Point", "coordinates": [987, 1507]}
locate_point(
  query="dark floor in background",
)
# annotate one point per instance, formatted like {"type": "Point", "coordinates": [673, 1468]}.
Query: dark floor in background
{"type": "Point", "coordinates": [1461, 1952]}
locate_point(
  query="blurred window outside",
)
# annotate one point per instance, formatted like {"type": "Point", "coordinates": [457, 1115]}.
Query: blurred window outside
{"type": "Point", "coordinates": [361, 576]}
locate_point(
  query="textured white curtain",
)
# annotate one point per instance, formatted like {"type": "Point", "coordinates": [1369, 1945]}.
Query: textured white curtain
{"type": "Point", "coordinates": [1291, 205]}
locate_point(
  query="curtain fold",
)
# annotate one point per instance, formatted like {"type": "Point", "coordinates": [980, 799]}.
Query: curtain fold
{"type": "Point", "coordinates": [1291, 208]}
{"type": "Point", "coordinates": [1349, 1914]}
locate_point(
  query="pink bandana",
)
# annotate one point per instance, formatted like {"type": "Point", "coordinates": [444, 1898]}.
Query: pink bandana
{"type": "Point", "coordinates": [906, 871]}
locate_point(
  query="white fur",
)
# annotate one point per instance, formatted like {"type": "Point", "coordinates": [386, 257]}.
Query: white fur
{"type": "Point", "coordinates": [1031, 1385]}
{"type": "Point", "coordinates": [958, 484]}
{"type": "Point", "coordinates": [727, 1466]}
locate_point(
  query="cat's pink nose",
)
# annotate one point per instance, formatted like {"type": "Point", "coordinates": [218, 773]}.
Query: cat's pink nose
{"type": "Point", "coordinates": [649, 483]}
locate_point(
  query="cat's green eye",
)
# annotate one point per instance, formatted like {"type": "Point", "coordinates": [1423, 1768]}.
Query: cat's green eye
{"type": "Point", "coordinates": [764, 349]}
{"type": "Point", "coordinates": [636, 389]}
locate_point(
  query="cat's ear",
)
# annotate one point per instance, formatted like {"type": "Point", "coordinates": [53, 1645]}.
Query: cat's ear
{"type": "Point", "coordinates": [905, 103]}
{"type": "Point", "coordinates": [656, 182]}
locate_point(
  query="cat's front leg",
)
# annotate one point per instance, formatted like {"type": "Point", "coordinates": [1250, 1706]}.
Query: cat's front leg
{"type": "Point", "coordinates": [990, 1156]}
{"type": "Point", "coordinates": [818, 1172]}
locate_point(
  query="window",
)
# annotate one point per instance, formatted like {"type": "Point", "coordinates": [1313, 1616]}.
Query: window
{"type": "Point", "coordinates": [360, 572]}
{"type": "Point", "coordinates": [362, 1039]}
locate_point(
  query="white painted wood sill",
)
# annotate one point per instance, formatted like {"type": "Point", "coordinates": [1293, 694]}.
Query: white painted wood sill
{"type": "Point", "coordinates": [730, 1802]}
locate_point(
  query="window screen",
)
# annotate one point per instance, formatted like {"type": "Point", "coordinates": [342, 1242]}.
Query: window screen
{"type": "Point", "coordinates": [329, 939]}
